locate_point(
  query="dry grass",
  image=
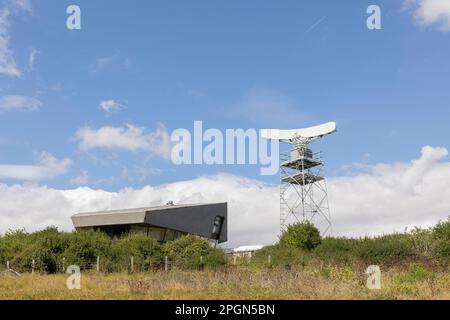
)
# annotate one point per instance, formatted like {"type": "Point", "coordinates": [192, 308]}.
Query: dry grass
{"type": "Point", "coordinates": [328, 282]}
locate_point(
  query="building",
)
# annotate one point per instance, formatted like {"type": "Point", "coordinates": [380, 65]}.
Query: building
{"type": "Point", "coordinates": [244, 251]}
{"type": "Point", "coordinates": [162, 223]}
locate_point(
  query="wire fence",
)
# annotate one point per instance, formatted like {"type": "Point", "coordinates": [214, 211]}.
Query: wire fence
{"type": "Point", "coordinates": [131, 264]}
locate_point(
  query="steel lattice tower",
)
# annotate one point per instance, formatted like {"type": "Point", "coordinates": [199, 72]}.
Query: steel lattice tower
{"type": "Point", "coordinates": [303, 189]}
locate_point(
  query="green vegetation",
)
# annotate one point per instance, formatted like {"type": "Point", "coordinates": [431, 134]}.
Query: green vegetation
{"type": "Point", "coordinates": [300, 246]}
{"type": "Point", "coordinates": [52, 251]}
{"type": "Point", "coordinates": [301, 266]}
{"type": "Point", "coordinates": [301, 236]}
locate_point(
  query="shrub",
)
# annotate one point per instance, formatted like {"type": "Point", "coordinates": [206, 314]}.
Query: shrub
{"type": "Point", "coordinates": [441, 234]}
{"type": "Point", "coordinates": [45, 247]}
{"type": "Point", "coordinates": [302, 236]}
{"type": "Point", "coordinates": [85, 246]}
{"type": "Point", "coordinates": [415, 273]}
{"type": "Point", "coordinates": [215, 258]}
{"type": "Point", "coordinates": [187, 250]}
{"type": "Point", "coordinates": [423, 243]}
{"type": "Point", "coordinates": [281, 256]}
{"type": "Point", "coordinates": [339, 250]}
{"type": "Point", "coordinates": [11, 243]}
{"type": "Point", "coordinates": [146, 252]}
{"type": "Point", "coordinates": [388, 249]}
{"type": "Point", "coordinates": [186, 247]}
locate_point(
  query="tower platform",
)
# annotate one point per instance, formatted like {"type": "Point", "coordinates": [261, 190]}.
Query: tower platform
{"type": "Point", "coordinates": [302, 179]}
{"type": "Point", "coordinates": [301, 163]}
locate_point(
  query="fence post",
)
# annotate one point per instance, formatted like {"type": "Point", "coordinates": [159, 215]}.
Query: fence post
{"type": "Point", "coordinates": [7, 265]}
{"type": "Point", "coordinates": [132, 264]}
{"type": "Point", "coordinates": [32, 266]}
{"type": "Point", "coordinates": [166, 263]}
{"type": "Point", "coordinates": [63, 264]}
{"type": "Point", "coordinates": [269, 260]}
{"type": "Point", "coordinates": [98, 263]}
{"type": "Point", "coordinates": [234, 260]}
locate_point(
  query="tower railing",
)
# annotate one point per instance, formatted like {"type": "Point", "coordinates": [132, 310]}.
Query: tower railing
{"type": "Point", "coordinates": [303, 191]}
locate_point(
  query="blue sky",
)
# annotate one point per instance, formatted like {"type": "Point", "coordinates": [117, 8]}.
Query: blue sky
{"type": "Point", "coordinates": [231, 64]}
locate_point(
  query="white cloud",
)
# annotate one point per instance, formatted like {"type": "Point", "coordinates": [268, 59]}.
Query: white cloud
{"type": "Point", "coordinates": [390, 197]}
{"type": "Point", "coordinates": [18, 103]}
{"type": "Point", "coordinates": [431, 13]}
{"type": "Point", "coordinates": [110, 106]}
{"type": "Point", "coordinates": [129, 138]}
{"type": "Point", "coordinates": [8, 65]}
{"type": "Point", "coordinates": [114, 62]}
{"type": "Point", "coordinates": [80, 180]}
{"type": "Point", "coordinates": [387, 198]}
{"type": "Point", "coordinates": [47, 167]}
{"type": "Point", "coordinates": [253, 206]}
{"type": "Point", "coordinates": [32, 58]}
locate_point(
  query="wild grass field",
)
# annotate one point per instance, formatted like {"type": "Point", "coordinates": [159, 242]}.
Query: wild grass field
{"type": "Point", "coordinates": [318, 282]}
{"type": "Point", "coordinates": [302, 265]}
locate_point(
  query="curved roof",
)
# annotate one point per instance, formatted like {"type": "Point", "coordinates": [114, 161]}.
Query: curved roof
{"type": "Point", "coordinates": [195, 219]}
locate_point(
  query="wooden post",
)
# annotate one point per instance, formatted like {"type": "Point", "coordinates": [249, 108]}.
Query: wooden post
{"type": "Point", "coordinates": [63, 264]}
{"type": "Point", "coordinates": [269, 260]}
{"type": "Point", "coordinates": [234, 259]}
{"type": "Point", "coordinates": [166, 264]}
{"type": "Point", "coordinates": [98, 263]}
{"type": "Point", "coordinates": [32, 266]}
{"type": "Point", "coordinates": [132, 264]}
{"type": "Point", "coordinates": [7, 265]}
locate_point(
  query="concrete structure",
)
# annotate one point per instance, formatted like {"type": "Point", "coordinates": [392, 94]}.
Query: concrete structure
{"type": "Point", "coordinates": [163, 223]}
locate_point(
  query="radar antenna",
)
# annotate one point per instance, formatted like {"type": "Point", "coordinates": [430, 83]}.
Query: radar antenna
{"type": "Point", "coordinates": [303, 189]}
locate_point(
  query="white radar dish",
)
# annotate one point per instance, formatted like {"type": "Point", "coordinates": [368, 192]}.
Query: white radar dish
{"type": "Point", "coordinates": [311, 133]}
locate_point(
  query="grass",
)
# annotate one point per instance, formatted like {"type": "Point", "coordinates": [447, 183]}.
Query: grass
{"type": "Point", "coordinates": [240, 283]}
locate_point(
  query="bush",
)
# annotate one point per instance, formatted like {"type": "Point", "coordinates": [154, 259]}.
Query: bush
{"type": "Point", "coordinates": [85, 246]}
{"type": "Point", "coordinates": [187, 251]}
{"type": "Point", "coordinates": [441, 234]}
{"type": "Point", "coordinates": [339, 250]}
{"type": "Point", "coordinates": [281, 256]}
{"type": "Point", "coordinates": [11, 243]}
{"type": "Point", "coordinates": [299, 245]}
{"type": "Point", "coordinates": [423, 243]}
{"type": "Point", "coordinates": [387, 249]}
{"type": "Point", "coordinates": [301, 236]}
{"type": "Point", "coordinates": [45, 247]}
{"type": "Point", "coordinates": [415, 273]}
{"type": "Point", "coordinates": [146, 252]}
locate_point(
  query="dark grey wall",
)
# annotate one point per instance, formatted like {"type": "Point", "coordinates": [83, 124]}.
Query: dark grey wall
{"type": "Point", "coordinates": [197, 220]}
